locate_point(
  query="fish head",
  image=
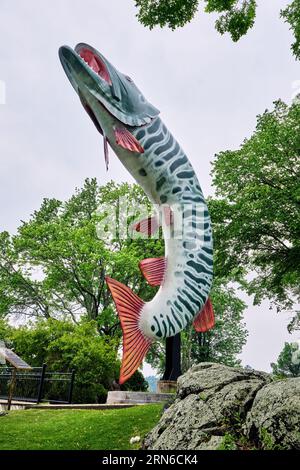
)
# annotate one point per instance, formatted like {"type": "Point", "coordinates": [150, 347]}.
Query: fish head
{"type": "Point", "coordinates": [93, 76]}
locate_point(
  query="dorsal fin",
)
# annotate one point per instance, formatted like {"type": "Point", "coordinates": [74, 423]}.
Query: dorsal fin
{"type": "Point", "coordinates": [153, 270]}
{"type": "Point", "coordinates": [135, 344]}
{"type": "Point", "coordinates": [205, 319]}
{"type": "Point", "coordinates": [151, 224]}
{"type": "Point", "coordinates": [147, 226]}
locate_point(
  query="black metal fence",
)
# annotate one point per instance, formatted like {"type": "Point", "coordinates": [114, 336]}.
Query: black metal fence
{"type": "Point", "coordinates": [37, 385]}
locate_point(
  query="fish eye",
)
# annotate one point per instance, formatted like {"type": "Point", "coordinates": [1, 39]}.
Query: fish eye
{"type": "Point", "coordinates": [128, 79]}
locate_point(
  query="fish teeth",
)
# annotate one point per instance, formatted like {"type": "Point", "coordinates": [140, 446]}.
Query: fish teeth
{"type": "Point", "coordinates": [85, 62]}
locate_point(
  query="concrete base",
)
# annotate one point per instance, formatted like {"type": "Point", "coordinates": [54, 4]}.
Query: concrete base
{"type": "Point", "coordinates": [136, 397]}
{"type": "Point", "coordinates": [166, 386]}
{"type": "Point", "coordinates": [48, 406]}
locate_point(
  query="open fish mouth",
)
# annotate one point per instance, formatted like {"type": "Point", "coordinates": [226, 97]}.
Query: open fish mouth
{"type": "Point", "coordinates": [88, 70]}
{"type": "Point", "coordinates": [94, 62]}
{"type": "Point", "coordinates": [88, 73]}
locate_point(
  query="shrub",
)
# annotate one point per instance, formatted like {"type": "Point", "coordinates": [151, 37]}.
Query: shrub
{"type": "Point", "coordinates": [136, 383]}
{"type": "Point", "coordinates": [65, 346]}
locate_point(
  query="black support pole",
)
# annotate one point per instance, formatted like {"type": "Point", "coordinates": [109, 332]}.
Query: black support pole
{"type": "Point", "coordinates": [173, 359]}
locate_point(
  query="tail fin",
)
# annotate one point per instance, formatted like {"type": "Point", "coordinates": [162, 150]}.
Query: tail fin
{"type": "Point", "coordinates": [135, 344]}
{"type": "Point", "coordinates": [205, 320]}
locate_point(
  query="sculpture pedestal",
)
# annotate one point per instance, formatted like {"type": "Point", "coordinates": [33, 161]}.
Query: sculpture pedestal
{"type": "Point", "coordinates": [166, 386]}
{"type": "Point", "coordinates": [136, 397]}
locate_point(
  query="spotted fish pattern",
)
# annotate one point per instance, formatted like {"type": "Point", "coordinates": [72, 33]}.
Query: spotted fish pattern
{"type": "Point", "coordinates": [168, 178]}
{"type": "Point", "coordinates": [133, 129]}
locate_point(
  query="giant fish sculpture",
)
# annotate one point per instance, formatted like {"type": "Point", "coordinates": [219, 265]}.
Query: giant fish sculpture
{"type": "Point", "coordinates": [133, 129]}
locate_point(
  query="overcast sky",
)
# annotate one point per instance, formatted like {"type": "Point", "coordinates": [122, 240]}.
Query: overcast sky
{"type": "Point", "coordinates": [209, 91]}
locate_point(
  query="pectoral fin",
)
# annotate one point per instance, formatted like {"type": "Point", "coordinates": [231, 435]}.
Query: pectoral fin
{"type": "Point", "coordinates": [125, 139]}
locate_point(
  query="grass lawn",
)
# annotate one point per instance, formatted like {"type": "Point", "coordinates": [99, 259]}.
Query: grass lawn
{"type": "Point", "coordinates": [76, 429]}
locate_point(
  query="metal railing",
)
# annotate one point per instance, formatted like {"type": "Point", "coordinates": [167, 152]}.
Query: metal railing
{"type": "Point", "coordinates": [38, 385]}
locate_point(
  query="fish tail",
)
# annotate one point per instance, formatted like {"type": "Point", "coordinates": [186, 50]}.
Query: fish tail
{"type": "Point", "coordinates": [135, 343]}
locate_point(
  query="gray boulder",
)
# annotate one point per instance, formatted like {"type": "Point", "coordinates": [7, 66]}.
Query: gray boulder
{"type": "Point", "coordinates": [274, 418]}
{"type": "Point", "coordinates": [220, 407]}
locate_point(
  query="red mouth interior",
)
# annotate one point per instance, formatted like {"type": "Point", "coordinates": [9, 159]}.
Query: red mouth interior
{"type": "Point", "coordinates": [95, 63]}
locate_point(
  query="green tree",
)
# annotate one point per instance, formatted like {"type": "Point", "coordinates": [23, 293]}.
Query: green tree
{"type": "Point", "coordinates": [291, 15]}
{"type": "Point", "coordinates": [55, 266]}
{"type": "Point", "coordinates": [136, 383]}
{"type": "Point", "coordinates": [235, 17]}
{"type": "Point", "coordinates": [20, 294]}
{"type": "Point", "coordinates": [5, 331]}
{"type": "Point", "coordinates": [66, 346]}
{"type": "Point", "coordinates": [256, 212]}
{"type": "Point", "coordinates": [288, 362]}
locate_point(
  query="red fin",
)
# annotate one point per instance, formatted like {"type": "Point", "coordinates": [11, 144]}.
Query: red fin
{"type": "Point", "coordinates": [135, 344]}
{"type": "Point", "coordinates": [153, 270]}
{"type": "Point", "coordinates": [205, 320]}
{"type": "Point", "coordinates": [126, 140]}
{"type": "Point", "coordinates": [147, 226]}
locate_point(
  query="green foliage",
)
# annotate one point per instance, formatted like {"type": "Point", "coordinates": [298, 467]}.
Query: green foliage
{"type": "Point", "coordinates": [5, 331]}
{"type": "Point", "coordinates": [171, 13]}
{"type": "Point", "coordinates": [55, 266]}
{"type": "Point", "coordinates": [228, 442]}
{"type": "Point", "coordinates": [237, 20]}
{"type": "Point", "coordinates": [268, 441]}
{"type": "Point", "coordinates": [236, 17]}
{"type": "Point", "coordinates": [234, 437]}
{"type": "Point", "coordinates": [65, 346]}
{"type": "Point", "coordinates": [202, 396]}
{"type": "Point", "coordinates": [291, 15]}
{"type": "Point", "coordinates": [76, 429]}
{"type": "Point", "coordinates": [288, 362]}
{"type": "Point", "coordinates": [256, 213]}
{"type": "Point", "coordinates": [18, 292]}
{"type": "Point", "coordinates": [136, 383]}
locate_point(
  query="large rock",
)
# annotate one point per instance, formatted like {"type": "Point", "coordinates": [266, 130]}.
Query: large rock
{"type": "Point", "coordinates": [274, 419]}
{"type": "Point", "coordinates": [220, 407]}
